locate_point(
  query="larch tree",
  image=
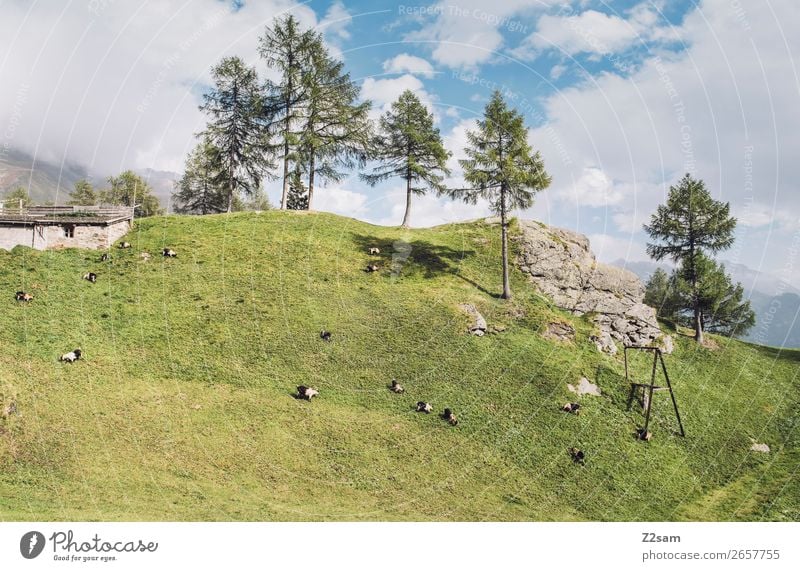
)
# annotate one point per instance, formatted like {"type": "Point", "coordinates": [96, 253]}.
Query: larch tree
{"type": "Point", "coordinates": [196, 192]}
{"type": "Point", "coordinates": [236, 129]}
{"type": "Point", "coordinates": [690, 225]}
{"type": "Point", "coordinates": [287, 49]}
{"type": "Point", "coordinates": [337, 131]}
{"type": "Point", "coordinates": [408, 146]}
{"type": "Point", "coordinates": [502, 168]}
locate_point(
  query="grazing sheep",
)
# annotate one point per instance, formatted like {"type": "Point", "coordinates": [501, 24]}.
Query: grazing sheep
{"type": "Point", "coordinates": [305, 392]}
{"type": "Point", "coordinates": [425, 407]}
{"type": "Point", "coordinates": [372, 268]}
{"type": "Point", "coordinates": [572, 407]}
{"type": "Point", "coordinates": [397, 387]}
{"type": "Point", "coordinates": [374, 251]}
{"type": "Point", "coordinates": [169, 253]}
{"type": "Point", "coordinates": [450, 417]}
{"type": "Point", "coordinates": [90, 276]}
{"type": "Point", "coordinates": [22, 296]}
{"type": "Point", "coordinates": [325, 335]}
{"type": "Point", "coordinates": [577, 456]}
{"type": "Point", "coordinates": [70, 357]}
{"type": "Point", "coordinates": [144, 256]}
{"type": "Point", "coordinates": [105, 257]}
{"type": "Point", "coordinates": [642, 434]}
{"type": "Point", "coordinates": [124, 245]}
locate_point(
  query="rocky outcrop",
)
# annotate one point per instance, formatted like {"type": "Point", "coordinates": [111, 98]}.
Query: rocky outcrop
{"type": "Point", "coordinates": [563, 267]}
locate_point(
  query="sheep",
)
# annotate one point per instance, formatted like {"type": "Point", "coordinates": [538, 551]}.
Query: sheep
{"type": "Point", "coordinates": [105, 257]}
{"type": "Point", "coordinates": [449, 417]}
{"type": "Point", "coordinates": [374, 251]}
{"type": "Point", "coordinates": [572, 407]}
{"type": "Point", "coordinates": [90, 276]}
{"type": "Point", "coordinates": [22, 296]}
{"type": "Point", "coordinates": [372, 268]}
{"type": "Point", "coordinates": [643, 434]}
{"type": "Point", "coordinates": [577, 456]}
{"type": "Point", "coordinates": [144, 256]}
{"type": "Point", "coordinates": [425, 407]}
{"type": "Point", "coordinates": [397, 387]}
{"type": "Point", "coordinates": [70, 357]}
{"type": "Point", "coordinates": [325, 335]}
{"type": "Point", "coordinates": [124, 245]}
{"type": "Point", "coordinates": [169, 253]}
{"type": "Point", "coordinates": [304, 392]}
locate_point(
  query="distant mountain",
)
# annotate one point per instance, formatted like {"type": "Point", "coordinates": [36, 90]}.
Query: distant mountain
{"type": "Point", "coordinates": [776, 304]}
{"type": "Point", "coordinates": [51, 182]}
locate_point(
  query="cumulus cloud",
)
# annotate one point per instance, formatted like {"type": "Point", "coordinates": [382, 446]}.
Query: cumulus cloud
{"type": "Point", "coordinates": [115, 85]}
{"type": "Point", "coordinates": [429, 210]}
{"type": "Point", "coordinates": [405, 63]}
{"type": "Point", "coordinates": [383, 91]}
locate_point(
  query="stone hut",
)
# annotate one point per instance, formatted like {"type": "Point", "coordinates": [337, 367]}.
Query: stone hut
{"type": "Point", "coordinates": [54, 227]}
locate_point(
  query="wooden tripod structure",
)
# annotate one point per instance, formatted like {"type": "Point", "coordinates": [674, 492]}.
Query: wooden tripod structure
{"type": "Point", "coordinates": [647, 390]}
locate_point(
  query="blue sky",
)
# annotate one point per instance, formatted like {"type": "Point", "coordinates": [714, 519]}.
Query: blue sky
{"type": "Point", "coordinates": [622, 98]}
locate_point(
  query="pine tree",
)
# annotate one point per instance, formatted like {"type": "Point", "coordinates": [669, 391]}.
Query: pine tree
{"type": "Point", "coordinates": [690, 224]}
{"type": "Point", "coordinates": [17, 198]}
{"type": "Point", "coordinates": [197, 191]}
{"type": "Point", "coordinates": [288, 50]}
{"type": "Point", "coordinates": [236, 130]}
{"type": "Point", "coordinates": [298, 195]}
{"type": "Point", "coordinates": [502, 168]}
{"type": "Point", "coordinates": [337, 131]}
{"type": "Point", "coordinates": [84, 194]}
{"type": "Point", "coordinates": [129, 189]}
{"type": "Point", "coordinates": [410, 147]}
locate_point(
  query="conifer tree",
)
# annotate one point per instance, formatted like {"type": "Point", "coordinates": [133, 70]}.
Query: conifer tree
{"type": "Point", "coordinates": [197, 191]}
{"type": "Point", "coordinates": [237, 131]}
{"type": "Point", "coordinates": [688, 226]}
{"type": "Point", "coordinates": [129, 189]}
{"type": "Point", "coordinates": [410, 147]}
{"type": "Point", "coordinates": [502, 168]}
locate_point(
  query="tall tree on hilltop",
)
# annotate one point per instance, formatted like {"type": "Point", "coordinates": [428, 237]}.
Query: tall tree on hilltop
{"type": "Point", "coordinates": [502, 168]}
{"type": "Point", "coordinates": [298, 194]}
{"type": "Point", "coordinates": [84, 194]}
{"type": "Point", "coordinates": [196, 192]}
{"type": "Point", "coordinates": [689, 225]}
{"type": "Point", "coordinates": [410, 147]}
{"type": "Point", "coordinates": [287, 49]}
{"type": "Point", "coordinates": [337, 131]}
{"type": "Point", "coordinates": [129, 189]}
{"type": "Point", "coordinates": [236, 131]}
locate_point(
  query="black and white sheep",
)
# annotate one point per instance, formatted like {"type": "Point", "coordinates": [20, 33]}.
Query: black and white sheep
{"type": "Point", "coordinates": [70, 357]}
{"type": "Point", "coordinates": [105, 257]}
{"type": "Point", "coordinates": [22, 296]}
{"type": "Point", "coordinates": [450, 417]}
{"type": "Point", "coordinates": [304, 392]}
{"type": "Point", "coordinates": [578, 456]}
{"type": "Point", "coordinates": [425, 407]}
{"type": "Point", "coordinates": [396, 387]}
{"type": "Point", "coordinates": [169, 253]}
{"type": "Point", "coordinates": [124, 245]}
{"type": "Point", "coordinates": [90, 277]}
{"type": "Point", "coordinates": [325, 335]}
{"type": "Point", "coordinates": [372, 268]}
{"type": "Point", "coordinates": [374, 251]}
{"type": "Point", "coordinates": [572, 407]}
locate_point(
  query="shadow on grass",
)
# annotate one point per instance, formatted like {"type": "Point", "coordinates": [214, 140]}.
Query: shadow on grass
{"type": "Point", "coordinates": [418, 258]}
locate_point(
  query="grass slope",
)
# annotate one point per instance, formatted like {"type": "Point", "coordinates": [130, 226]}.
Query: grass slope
{"type": "Point", "coordinates": [182, 407]}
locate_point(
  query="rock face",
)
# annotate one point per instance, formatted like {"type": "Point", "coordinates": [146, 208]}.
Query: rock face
{"type": "Point", "coordinates": [563, 267]}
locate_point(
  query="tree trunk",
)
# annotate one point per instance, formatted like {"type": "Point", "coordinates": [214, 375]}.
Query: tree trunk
{"type": "Point", "coordinates": [311, 166]}
{"type": "Point", "coordinates": [504, 226]}
{"type": "Point", "coordinates": [230, 187]}
{"type": "Point", "coordinates": [285, 193]}
{"type": "Point", "coordinates": [407, 215]}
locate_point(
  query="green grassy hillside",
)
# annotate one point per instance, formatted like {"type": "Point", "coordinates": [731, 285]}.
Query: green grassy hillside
{"type": "Point", "coordinates": [182, 407]}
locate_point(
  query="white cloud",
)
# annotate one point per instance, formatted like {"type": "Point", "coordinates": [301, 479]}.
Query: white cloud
{"type": "Point", "coordinates": [405, 63]}
{"type": "Point", "coordinates": [336, 22]}
{"type": "Point", "coordinates": [429, 210]}
{"type": "Point", "coordinates": [593, 188]}
{"type": "Point", "coordinates": [341, 201]}
{"type": "Point", "coordinates": [383, 92]}
{"type": "Point", "coordinates": [471, 33]}
{"type": "Point", "coordinates": [557, 71]}
{"type": "Point", "coordinates": [115, 85]}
